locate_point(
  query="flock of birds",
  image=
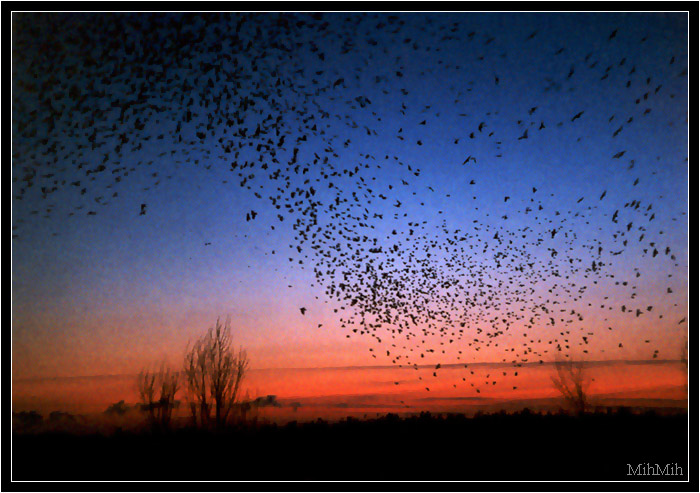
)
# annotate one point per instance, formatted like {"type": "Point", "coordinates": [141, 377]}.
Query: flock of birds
{"type": "Point", "coordinates": [264, 100]}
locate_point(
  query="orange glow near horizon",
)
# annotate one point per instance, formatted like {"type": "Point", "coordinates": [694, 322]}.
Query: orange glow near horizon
{"type": "Point", "coordinates": [336, 393]}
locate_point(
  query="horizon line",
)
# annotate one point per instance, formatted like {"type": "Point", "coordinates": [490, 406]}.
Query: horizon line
{"type": "Point", "coordinates": [373, 367]}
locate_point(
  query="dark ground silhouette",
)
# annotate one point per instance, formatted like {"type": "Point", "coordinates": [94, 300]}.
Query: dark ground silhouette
{"type": "Point", "coordinates": [522, 446]}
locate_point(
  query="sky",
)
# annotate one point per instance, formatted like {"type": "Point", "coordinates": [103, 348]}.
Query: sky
{"type": "Point", "coordinates": [378, 113]}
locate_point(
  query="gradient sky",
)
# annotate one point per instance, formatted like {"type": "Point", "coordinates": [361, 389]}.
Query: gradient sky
{"type": "Point", "coordinates": [112, 292]}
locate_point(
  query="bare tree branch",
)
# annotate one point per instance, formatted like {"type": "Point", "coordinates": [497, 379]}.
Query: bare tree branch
{"type": "Point", "coordinates": [571, 382]}
{"type": "Point", "coordinates": [157, 390]}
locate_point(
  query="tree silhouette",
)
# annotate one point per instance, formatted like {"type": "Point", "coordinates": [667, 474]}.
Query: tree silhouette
{"type": "Point", "coordinates": [213, 373]}
{"type": "Point", "coordinates": [571, 381]}
{"type": "Point", "coordinates": [157, 390]}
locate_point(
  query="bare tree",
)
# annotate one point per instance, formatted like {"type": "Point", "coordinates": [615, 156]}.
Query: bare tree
{"type": "Point", "coordinates": [214, 371]}
{"type": "Point", "coordinates": [157, 390]}
{"type": "Point", "coordinates": [196, 376]}
{"type": "Point", "coordinates": [571, 381]}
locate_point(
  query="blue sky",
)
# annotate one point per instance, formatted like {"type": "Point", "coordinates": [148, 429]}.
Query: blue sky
{"type": "Point", "coordinates": [96, 294]}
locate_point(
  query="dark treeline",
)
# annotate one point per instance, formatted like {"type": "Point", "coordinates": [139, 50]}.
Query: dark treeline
{"type": "Point", "coordinates": [521, 446]}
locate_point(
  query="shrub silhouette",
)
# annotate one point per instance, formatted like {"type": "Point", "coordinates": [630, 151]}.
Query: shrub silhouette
{"type": "Point", "coordinates": [26, 420]}
{"type": "Point", "coordinates": [118, 409]}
